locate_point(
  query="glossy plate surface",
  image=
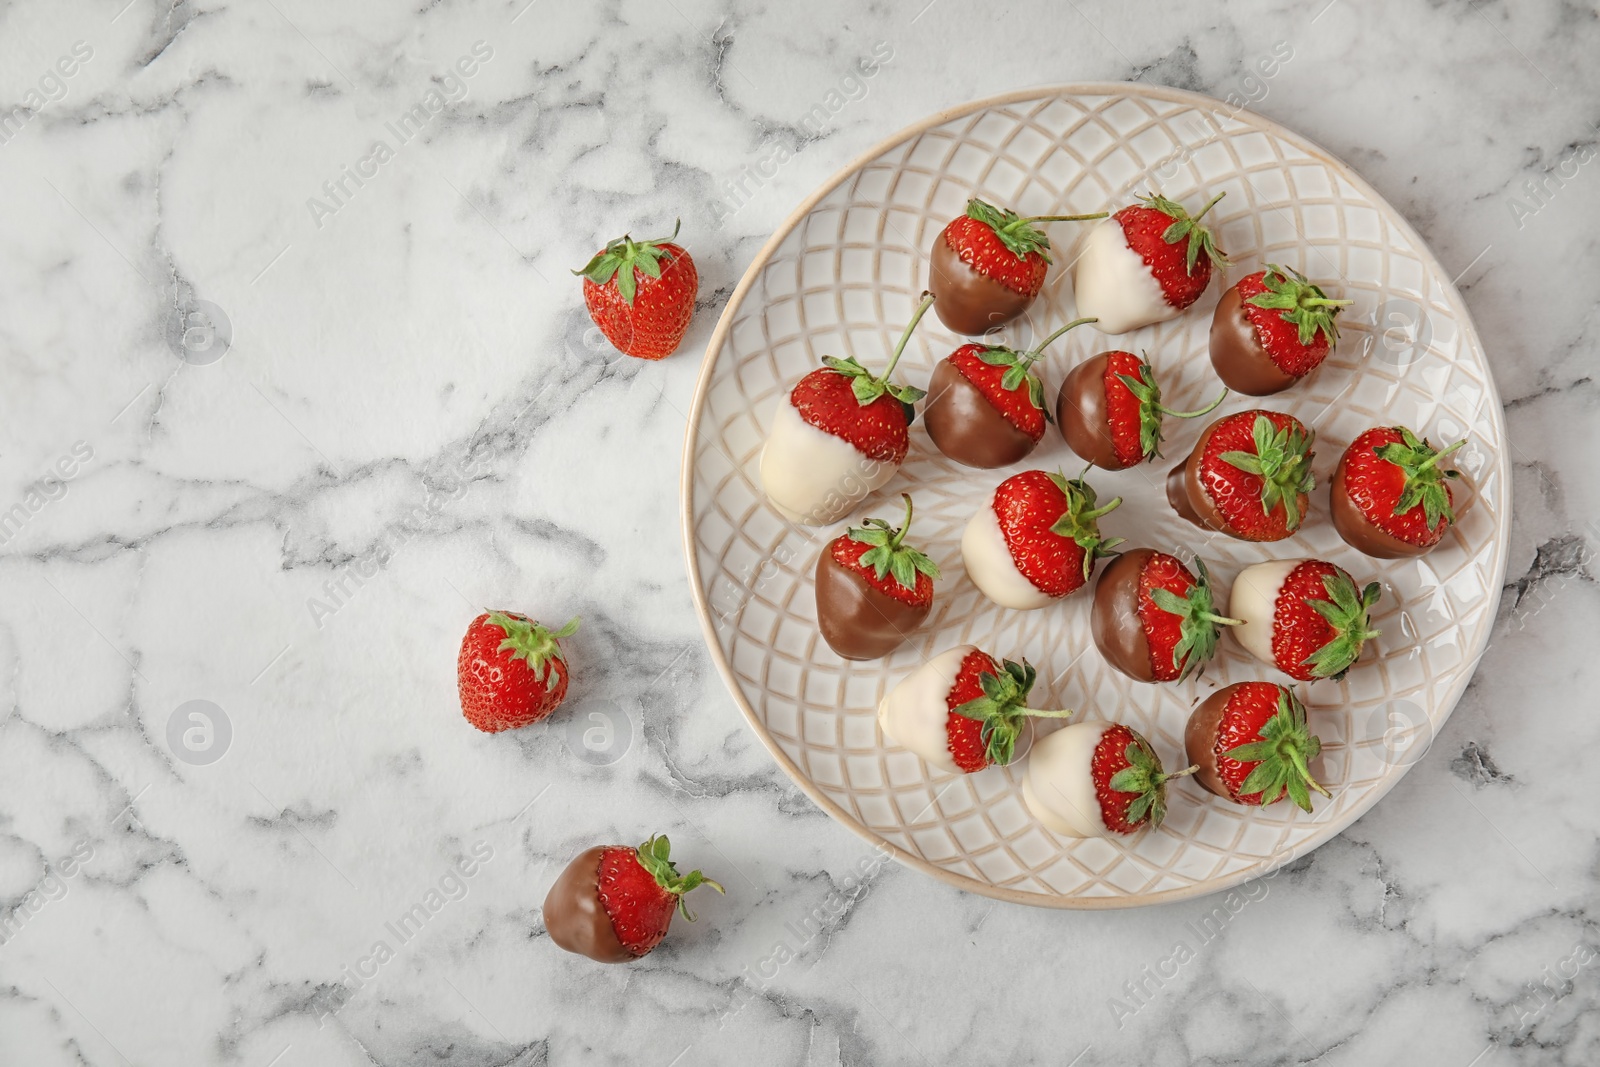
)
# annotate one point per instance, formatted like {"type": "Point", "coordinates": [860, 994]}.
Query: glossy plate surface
{"type": "Point", "coordinates": [843, 274]}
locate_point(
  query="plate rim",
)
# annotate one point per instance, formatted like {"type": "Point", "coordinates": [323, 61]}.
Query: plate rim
{"type": "Point", "coordinates": [724, 326]}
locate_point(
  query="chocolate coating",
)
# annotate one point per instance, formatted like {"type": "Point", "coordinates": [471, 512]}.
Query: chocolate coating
{"type": "Point", "coordinates": [858, 621]}
{"type": "Point", "coordinates": [1236, 353]}
{"type": "Point", "coordinates": [966, 427]}
{"type": "Point", "coordinates": [1081, 414]}
{"type": "Point", "coordinates": [1114, 619]}
{"type": "Point", "coordinates": [1200, 740]}
{"type": "Point", "coordinates": [574, 917]}
{"type": "Point", "coordinates": [967, 302]}
{"type": "Point", "coordinates": [1359, 532]}
{"type": "Point", "coordinates": [1187, 496]}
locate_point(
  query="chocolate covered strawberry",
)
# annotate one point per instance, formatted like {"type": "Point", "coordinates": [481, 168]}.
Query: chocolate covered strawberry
{"type": "Point", "coordinates": [988, 265]}
{"type": "Point", "coordinates": [1252, 745]}
{"type": "Point", "coordinates": [1390, 497]}
{"type": "Point", "coordinates": [641, 294]}
{"type": "Point", "coordinates": [1152, 619]}
{"type": "Point", "coordinates": [962, 711]}
{"type": "Point", "coordinates": [1096, 779]}
{"type": "Point", "coordinates": [614, 903]}
{"type": "Point", "coordinates": [1036, 539]}
{"type": "Point", "coordinates": [841, 434]}
{"type": "Point", "coordinates": [1144, 264]}
{"type": "Point", "coordinates": [873, 589]}
{"type": "Point", "coordinates": [986, 405]}
{"type": "Point", "coordinates": [1304, 616]}
{"type": "Point", "coordinates": [511, 671]}
{"type": "Point", "coordinates": [1271, 329]}
{"type": "Point", "coordinates": [1248, 476]}
{"type": "Point", "coordinates": [1109, 410]}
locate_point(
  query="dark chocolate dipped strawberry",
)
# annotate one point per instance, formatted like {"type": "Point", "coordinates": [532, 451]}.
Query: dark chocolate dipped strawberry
{"type": "Point", "coordinates": [988, 266]}
{"type": "Point", "coordinates": [962, 711]}
{"type": "Point", "coordinates": [1271, 329]}
{"type": "Point", "coordinates": [1152, 619]}
{"type": "Point", "coordinates": [1390, 498]}
{"type": "Point", "coordinates": [986, 405]}
{"type": "Point", "coordinates": [1251, 744]}
{"type": "Point", "coordinates": [1109, 410]}
{"type": "Point", "coordinates": [1248, 476]}
{"type": "Point", "coordinates": [1145, 264]}
{"type": "Point", "coordinates": [1306, 617]}
{"type": "Point", "coordinates": [873, 589]}
{"type": "Point", "coordinates": [614, 903]}
{"type": "Point", "coordinates": [1096, 779]}
{"type": "Point", "coordinates": [840, 434]}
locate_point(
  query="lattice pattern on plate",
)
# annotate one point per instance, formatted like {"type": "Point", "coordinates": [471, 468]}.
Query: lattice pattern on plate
{"type": "Point", "coordinates": [844, 275]}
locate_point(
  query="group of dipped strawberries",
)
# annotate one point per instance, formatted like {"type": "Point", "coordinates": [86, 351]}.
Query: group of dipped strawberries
{"type": "Point", "coordinates": [844, 433]}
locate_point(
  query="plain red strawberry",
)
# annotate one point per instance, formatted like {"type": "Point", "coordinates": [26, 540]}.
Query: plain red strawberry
{"type": "Point", "coordinates": [988, 705]}
{"type": "Point", "coordinates": [1266, 503]}
{"type": "Point", "coordinates": [1176, 249]}
{"type": "Point", "coordinates": [1320, 621]}
{"type": "Point", "coordinates": [1129, 781]}
{"type": "Point", "coordinates": [641, 294]}
{"type": "Point", "coordinates": [1051, 526]}
{"type": "Point", "coordinates": [1394, 479]}
{"type": "Point", "coordinates": [511, 671]}
{"type": "Point", "coordinates": [1293, 319]}
{"type": "Point", "coordinates": [981, 248]}
{"type": "Point", "coordinates": [1262, 746]}
{"type": "Point", "coordinates": [641, 888]}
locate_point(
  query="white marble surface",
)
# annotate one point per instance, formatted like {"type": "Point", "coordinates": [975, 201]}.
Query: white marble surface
{"type": "Point", "coordinates": [412, 406]}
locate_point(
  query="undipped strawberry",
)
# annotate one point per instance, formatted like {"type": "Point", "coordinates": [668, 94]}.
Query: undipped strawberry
{"type": "Point", "coordinates": [641, 294]}
{"type": "Point", "coordinates": [511, 671]}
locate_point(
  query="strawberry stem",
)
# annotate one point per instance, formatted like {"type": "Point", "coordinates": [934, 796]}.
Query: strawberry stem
{"type": "Point", "coordinates": [1033, 353]}
{"type": "Point", "coordinates": [1437, 456]}
{"type": "Point", "coordinates": [905, 525]}
{"type": "Point", "coordinates": [1055, 218]}
{"type": "Point", "coordinates": [922, 309]}
{"type": "Point", "coordinates": [1211, 204]}
{"type": "Point", "coordinates": [1179, 774]}
{"type": "Point", "coordinates": [1208, 409]}
{"type": "Point", "coordinates": [1089, 516]}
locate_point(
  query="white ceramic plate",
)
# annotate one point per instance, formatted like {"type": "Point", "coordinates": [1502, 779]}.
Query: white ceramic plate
{"type": "Point", "coordinates": [842, 275]}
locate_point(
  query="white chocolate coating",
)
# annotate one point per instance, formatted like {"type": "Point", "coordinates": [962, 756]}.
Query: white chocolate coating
{"type": "Point", "coordinates": [989, 564]}
{"type": "Point", "coordinates": [1058, 787]}
{"type": "Point", "coordinates": [1254, 599]}
{"type": "Point", "coordinates": [914, 713]}
{"type": "Point", "coordinates": [813, 477]}
{"type": "Point", "coordinates": [1112, 283]}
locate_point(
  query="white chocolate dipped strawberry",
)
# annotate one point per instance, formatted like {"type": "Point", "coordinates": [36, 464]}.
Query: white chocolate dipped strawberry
{"type": "Point", "coordinates": [1036, 540]}
{"type": "Point", "coordinates": [1304, 616]}
{"type": "Point", "coordinates": [962, 711]}
{"type": "Point", "coordinates": [841, 434]}
{"type": "Point", "coordinates": [1096, 779]}
{"type": "Point", "coordinates": [1145, 264]}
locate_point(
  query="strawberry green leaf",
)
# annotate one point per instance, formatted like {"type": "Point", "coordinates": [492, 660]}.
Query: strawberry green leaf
{"type": "Point", "coordinates": [1187, 228]}
{"type": "Point", "coordinates": [1349, 616]}
{"type": "Point", "coordinates": [624, 259]}
{"type": "Point", "coordinates": [1003, 709]}
{"type": "Point", "coordinates": [655, 857]}
{"type": "Point", "coordinates": [1282, 459]}
{"type": "Point", "coordinates": [1303, 304]}
{"type": "Point", "coordinates": [1080, 521]}
{"type": "Point", "coordinates": [1425, 480]}
{"type": "Point", "coordinates": [1014, 231]}
{"type": "Point", "coordinates": [531, 642]}
{"type": "Point", "coordinates": [1285, 747]}
{"type": "Point", "coordinates": [890, 554]}
{"type": "Point", "coordinates": [1199, 625]}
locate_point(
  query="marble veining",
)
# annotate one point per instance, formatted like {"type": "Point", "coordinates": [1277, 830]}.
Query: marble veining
{"type": "Point", "coordinates": [392, 411]}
